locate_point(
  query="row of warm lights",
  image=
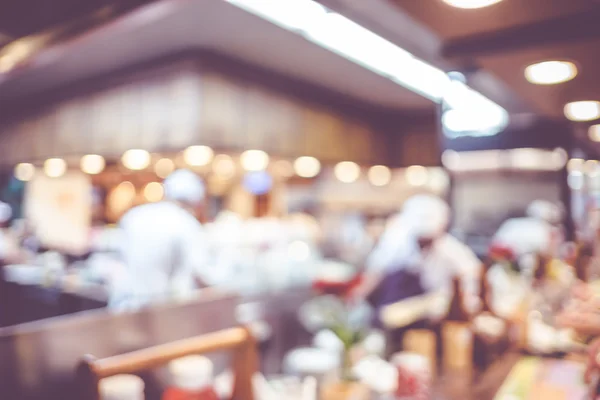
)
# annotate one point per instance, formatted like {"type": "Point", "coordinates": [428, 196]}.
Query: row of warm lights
{"type": "Point", "coordinates": [197, 156]}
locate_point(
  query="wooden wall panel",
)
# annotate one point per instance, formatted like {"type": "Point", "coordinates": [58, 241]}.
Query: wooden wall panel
{"type": "Point", "coordinates": [183, 102]}
{"type": "Point", "coordinates": [416, 148]}
{"type": "Point", "coordinates": [69, 122]}
{"type": "Point", "coordinates": [359, 138]}
{"type": "Point", "coordinates": [259, 110]}
{"type": "Point", "coordinates": [154, 116]}
{"type": "Point", "coordinates": [105, 113]}
{"type": "Point", "coordinates": [8, 139]}
{"type": "Point", "coordinates": [168, 111]}
{"type": "Point", "coordinates": [129, 131]}
{"type": "Point", "coordinates": [286, 120]}
{"type": "Point", "coordinates": [222, 113]}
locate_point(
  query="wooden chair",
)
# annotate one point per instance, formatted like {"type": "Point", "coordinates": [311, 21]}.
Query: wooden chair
{"type": "Point", "coordinates": [239, 340]}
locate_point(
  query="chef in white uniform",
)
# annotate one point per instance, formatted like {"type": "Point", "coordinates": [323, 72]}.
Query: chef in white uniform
{"type": "Point", "coordinates": [416, 255]}
{"type": "Point", "coordinates": [163, 246]}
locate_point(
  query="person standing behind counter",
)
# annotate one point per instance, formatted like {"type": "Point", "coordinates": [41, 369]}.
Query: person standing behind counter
{"type": "Point", "coordinates": [164, 247]}
{"type": "Point", "coordinates": [416, 255]}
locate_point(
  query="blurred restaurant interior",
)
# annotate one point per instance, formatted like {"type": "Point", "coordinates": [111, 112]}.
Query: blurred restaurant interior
{"type": "Point", "coordinates": [299, 200]}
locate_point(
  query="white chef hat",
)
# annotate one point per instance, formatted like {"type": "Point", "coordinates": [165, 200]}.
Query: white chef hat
{"type": "Point", "coordinates": [185, 186]}
{"type": "Point", "coordinates": [427, 215]}
{"type": "Point", "coordinates": [524, 235]}
{"type": "Point", "coordinates": [545, 210]}
{"type": "Point", "coordinates": [5, 212]}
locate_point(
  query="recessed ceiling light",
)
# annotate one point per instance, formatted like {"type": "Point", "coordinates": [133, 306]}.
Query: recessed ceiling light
{"type": "Point", "coordinates": [471, 3]}
{"type": "Point", "coordinates": [550, 72]}
{"type": "Point", "coordinates": [594, 133]}
{"type": "Point", "coordinates": [582, 110]}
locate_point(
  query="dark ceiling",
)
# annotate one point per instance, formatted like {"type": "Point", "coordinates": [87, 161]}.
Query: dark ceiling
{"type": "Point", "coordinates": [507, 37]}
{"type": "Point", "coordinates": [20, 18]}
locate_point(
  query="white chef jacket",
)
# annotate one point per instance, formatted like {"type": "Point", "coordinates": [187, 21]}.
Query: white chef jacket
{"type": "Point", "coordinates": [164, 249]}
{"type": "Point", "coordinates": [448, 257]}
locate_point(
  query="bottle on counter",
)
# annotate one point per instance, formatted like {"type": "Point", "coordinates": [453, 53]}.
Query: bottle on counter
{"type": "Point", "coordinates": [490, 331]}
{"type": "Point", "coordinates": [457, 335]}
{"type": "Point", "coordinates": [121, 387]}
{"type": "Point", "coordinates": [191, 379]}
{"type": "Point", "coordinates": [582, 262]}
{"type": "Point", "coordinates": [541, 271]}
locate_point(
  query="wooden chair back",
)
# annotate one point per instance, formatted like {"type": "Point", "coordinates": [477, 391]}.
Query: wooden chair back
{"type": "Point", "coordinates": [239, 340]}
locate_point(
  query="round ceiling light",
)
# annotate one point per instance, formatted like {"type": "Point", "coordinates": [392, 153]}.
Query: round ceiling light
{"type": "Point", "coordinates": [307, 167]}
{"type": "Point", "coordinates": [550, 72]}
{"type": "Point", "coordinates": [582, 110]}
{"type": "Point", "coordinates": [24, 171]}
{"type": "Point", "coordinates": [379, 175]}
{"type": "Point", "coordinates": [347, 171]}
{"type": "Point", "coordinates": [198, 156]}
{"type": "Point", "coordinates": [92, 164]}
{"type": "Point", "coordinates": [254, 160]}
{"type": "Point", "coordinates": [136, 159]}
{"type": "Point", "coordinates": [594, 133]}
{"type": "Point", "coordinates": [471, 4]}
{"type": "Point", "coordinates": [55, 167]}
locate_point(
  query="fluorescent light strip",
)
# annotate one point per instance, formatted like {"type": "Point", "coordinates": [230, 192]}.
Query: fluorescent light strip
{"type": "Point", "coordinates": [356, 43]}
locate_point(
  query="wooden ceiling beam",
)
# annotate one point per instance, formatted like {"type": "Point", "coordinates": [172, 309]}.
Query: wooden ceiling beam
{"type": "Point", "coordinates": [563, 29]}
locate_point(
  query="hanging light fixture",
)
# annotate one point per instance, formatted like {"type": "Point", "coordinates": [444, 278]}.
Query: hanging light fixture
{"type": "Point", "coordinates": [379, 175]}
{"type": "Point", "coordinates": [136, 159]}
{"type": "Point", "coordinates": [24, 171]}
{"type": "Point", "coordinates": [347, 171]}
{"type": "Point", "coordinates": [198, 156]}
{"type": "Point", "coordinates": [254, 160]}
{"type": "Point", "coordinates": [92, 164]}
{"type": "Point", "coordinates": [417, 175]}
{"type": "Point", "coordinates": [307, 167]}
{"type": "Point", "coordinates": [55, 167]}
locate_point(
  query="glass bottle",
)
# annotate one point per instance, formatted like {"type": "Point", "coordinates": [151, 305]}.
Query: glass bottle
{"type": "Point", "coordinates": [457, 335]}
{"type": "Point", "coordinates": [191, 379]}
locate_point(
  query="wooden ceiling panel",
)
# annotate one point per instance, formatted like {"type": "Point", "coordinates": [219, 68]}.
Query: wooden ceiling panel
{"type": "Point", "coordinates": [450, 22]}
{"type": "Point", "coordinates": [550, 99]}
